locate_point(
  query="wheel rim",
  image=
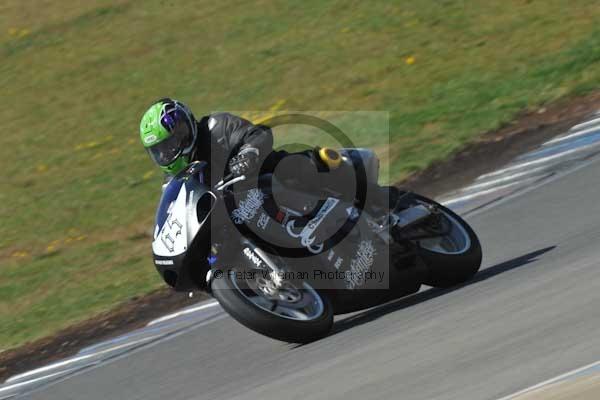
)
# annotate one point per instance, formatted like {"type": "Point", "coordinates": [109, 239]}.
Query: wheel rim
{"type": "Point", "coordinates": [286, 301]}
{"type": "Point", "coordinates": [457, 241]}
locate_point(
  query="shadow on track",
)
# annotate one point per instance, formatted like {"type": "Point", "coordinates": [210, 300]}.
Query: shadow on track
{"type": "Point", "coordinates": [396, 305]}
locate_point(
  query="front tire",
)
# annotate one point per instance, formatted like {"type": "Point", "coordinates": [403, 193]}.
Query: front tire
{"type": "Point", "coordinates": [248, 310]}
{"type": "Point", "coordinates": [450, 264]}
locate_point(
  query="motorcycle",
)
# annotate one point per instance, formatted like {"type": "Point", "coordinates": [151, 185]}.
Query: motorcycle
{"type": "Point", "coordinates": [267, 253]}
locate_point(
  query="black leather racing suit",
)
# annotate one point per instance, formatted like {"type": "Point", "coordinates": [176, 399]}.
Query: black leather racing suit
{"type": "Point", "coordinates": [221, 135]}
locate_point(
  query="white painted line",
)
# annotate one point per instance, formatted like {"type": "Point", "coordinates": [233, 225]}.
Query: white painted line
{"type": "Point", "coordinates": [116, 357]}
{"type": "Point", "coordinates": [586, 124]}
{"type": "Point", "coordinates": [5, 389]}
{"type": "Point", "coordinates": [535, 162]}
{"type": "Point", "coordinates": [76, 359]}
{"type": "Point", "coordinates": [551, 381]}
{"type": "Point", "coordinates": [595, 128]}
{"type": "Point", "coordinates": [534, 186]}
{"type": "Point", "coordinates": [448, 202]}
{"type": "Point", "coordinates": [125, 338]}
{"type": "Point", "coordinates": [504, 179]}
{"type": "Point", "coordinates": [183, 312]}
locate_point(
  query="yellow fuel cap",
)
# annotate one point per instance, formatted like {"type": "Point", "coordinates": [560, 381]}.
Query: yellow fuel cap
{"type": "Point", "coordinates": [330, 157]}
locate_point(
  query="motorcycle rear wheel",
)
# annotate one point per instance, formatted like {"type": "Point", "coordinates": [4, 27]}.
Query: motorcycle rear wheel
{"type": "Point", "coordinates": [452, 259]}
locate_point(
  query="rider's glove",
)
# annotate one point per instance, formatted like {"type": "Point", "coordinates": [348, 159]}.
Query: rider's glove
{"type": "Point", "coordinates": [245, 161]}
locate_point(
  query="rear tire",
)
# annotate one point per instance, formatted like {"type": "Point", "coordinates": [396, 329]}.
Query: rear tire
{"type": "Point", "coordinates": [451, 268]}
{"type": "Point", "coordinates": [267, 323]}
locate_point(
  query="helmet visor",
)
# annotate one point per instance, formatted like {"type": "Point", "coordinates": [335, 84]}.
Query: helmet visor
{"type": "Point", "coordinates": [167, 151]}
{"type": "Point", "coordinates": [177, 123]}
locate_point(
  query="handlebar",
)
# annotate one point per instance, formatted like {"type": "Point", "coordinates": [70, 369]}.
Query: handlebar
{"type": "Point", "coordinates": [198, 166]}
{"type": "Point", "coordinates": [228, 181]}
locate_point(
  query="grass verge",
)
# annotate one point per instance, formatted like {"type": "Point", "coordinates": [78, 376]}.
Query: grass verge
{"type": "Point", "coordinates": [78, 192]}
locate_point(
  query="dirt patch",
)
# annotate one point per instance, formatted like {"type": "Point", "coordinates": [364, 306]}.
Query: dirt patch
{"type": "Point", "coordinates": [487, 153]}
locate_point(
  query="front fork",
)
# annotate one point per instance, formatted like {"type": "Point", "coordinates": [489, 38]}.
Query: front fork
{"type": "Point", "coordinates": [256, 258]}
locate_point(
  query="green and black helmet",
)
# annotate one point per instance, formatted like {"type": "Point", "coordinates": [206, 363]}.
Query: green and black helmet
{"type": "Point", "coordinates": [168, 132]}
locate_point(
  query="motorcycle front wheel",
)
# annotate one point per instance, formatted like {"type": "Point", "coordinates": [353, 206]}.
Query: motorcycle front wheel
{"type": "Point", "coordinates": [292, 312]}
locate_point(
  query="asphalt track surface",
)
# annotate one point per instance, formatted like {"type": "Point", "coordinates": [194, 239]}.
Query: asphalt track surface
{"type": "Point", "coordinates": [533, 312]}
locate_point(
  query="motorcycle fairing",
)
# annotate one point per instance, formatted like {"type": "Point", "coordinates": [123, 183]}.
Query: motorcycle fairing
{"type": "Point", "coordinates": [181, 215]}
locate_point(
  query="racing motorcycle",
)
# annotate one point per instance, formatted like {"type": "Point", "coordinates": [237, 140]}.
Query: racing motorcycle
{"type": "Point", "coordinates": [283, 262]}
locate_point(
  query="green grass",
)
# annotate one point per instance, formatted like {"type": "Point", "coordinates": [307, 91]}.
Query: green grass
{"type": "Point", "coordinates": [77, 188]}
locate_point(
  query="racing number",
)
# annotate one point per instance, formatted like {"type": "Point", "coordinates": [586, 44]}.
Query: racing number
{"type": "Point", "coordinates": [167, 238]}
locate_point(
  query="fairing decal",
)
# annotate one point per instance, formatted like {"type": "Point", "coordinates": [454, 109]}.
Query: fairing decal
{"type": "Point", "coordinates": [169, 195]}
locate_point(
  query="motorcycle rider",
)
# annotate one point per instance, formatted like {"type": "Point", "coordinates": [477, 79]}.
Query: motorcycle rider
{"type": "Point", "coordinates": [230, 144]}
